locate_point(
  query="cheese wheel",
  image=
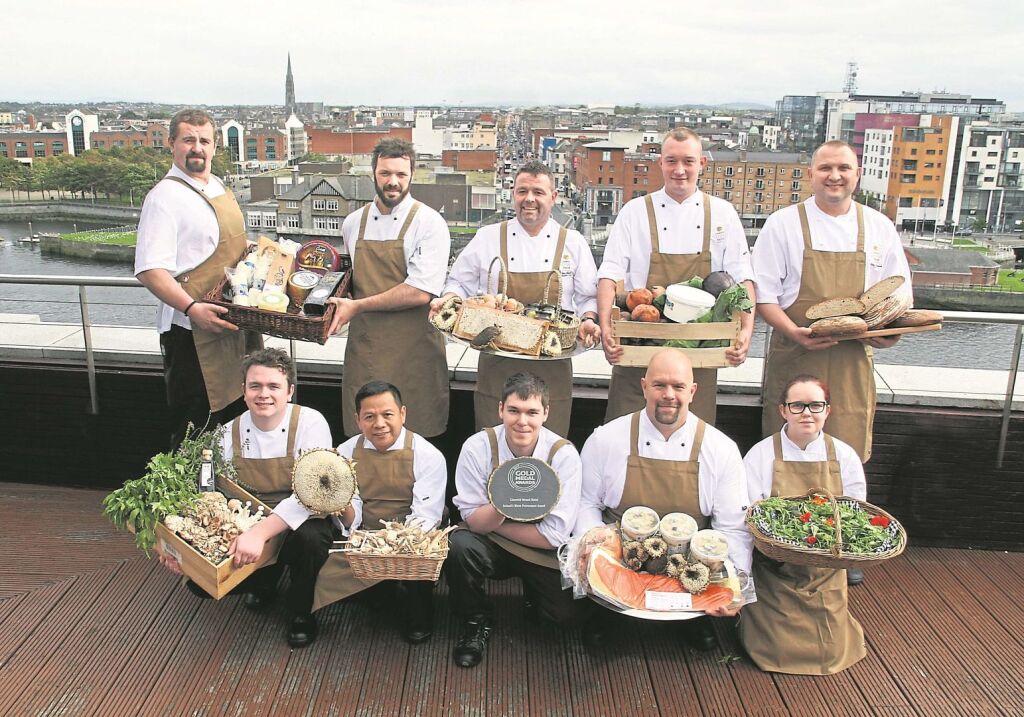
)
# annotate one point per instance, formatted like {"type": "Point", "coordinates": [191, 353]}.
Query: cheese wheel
{"type": "Point", "coordinates": [274, 301]}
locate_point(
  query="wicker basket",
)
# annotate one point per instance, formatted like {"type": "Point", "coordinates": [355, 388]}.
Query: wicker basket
{"type": "Point", "coordinates": [567, 335]}
{"type": "Point", "coordinates": [789, 551]}
{"type": "Point", "coordinates": [368, 566]}
{"type": "Point", "coordinates": [290, 325]}
{"type": "Point", "coordinates": [501, 287]}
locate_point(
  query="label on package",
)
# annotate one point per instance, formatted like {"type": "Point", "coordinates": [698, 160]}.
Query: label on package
{"type": "Point", "coordinates": [667, 601]}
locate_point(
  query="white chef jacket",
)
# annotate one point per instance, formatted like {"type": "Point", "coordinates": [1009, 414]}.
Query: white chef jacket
{"type": "Point", "coordinates": [311, 432]}
{"type": "Point", "coordinates": [758, 464]}
{"type": "Point", "coordinates": [430, 477]}
{"type": "Point", "coordinates": [427, 243]}
{"type": "Point", "coordinates": [474, 468]}
{"type": "Point", "coordinates": [627, 255]}
{"type": "Point", "coordinates": [778, 254]}
{"type": "Point", "coordinates": [722, 487]}
{"type": "Point", "coordinates": [528, 254]}
{"type": "Point", "coordinates": [177, 232]}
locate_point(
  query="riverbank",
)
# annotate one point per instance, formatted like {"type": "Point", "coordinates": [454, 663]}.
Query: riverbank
{"type": "Point", "coordinates": [68, 211]}
{"type": "Point", "coordinates": [91, 250]}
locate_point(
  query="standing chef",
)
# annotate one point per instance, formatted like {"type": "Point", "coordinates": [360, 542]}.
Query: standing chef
{"type": "Point", "coordinates": [263, 444]}
{"type": "Point", "coordinates": [496, 548]}
{"type": "Point", "coordinates": [667, 458]}
{"type": "Point", "coordinates": [823, 248]}
{"type": "Point", "coordinates": [399, 249]}
{"type": "Point", "coordinates": [190, 230]}
{"type": "Point", "coordinates": [402, 477]}
{"type": "Point", "coordinates": [665, 238]}
{"type": "Point", "coordinates": [531, 246]}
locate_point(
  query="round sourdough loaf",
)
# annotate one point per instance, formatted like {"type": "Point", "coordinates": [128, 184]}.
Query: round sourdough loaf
{"type": "Point", "coordinates": [916, 317]}
{"type": "Point", "coordinates": [838, 326]}
{"type": "Point", "coordinates": [885, 311]}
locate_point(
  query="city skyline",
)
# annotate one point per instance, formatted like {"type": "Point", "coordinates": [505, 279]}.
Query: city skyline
{"type": "Point", "coordinates": [456, 52]}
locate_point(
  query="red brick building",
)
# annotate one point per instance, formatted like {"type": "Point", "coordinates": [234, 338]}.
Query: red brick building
{"type": "Point", "coordinates": [608, 175]}
{"type": "Point", "coordinates": [468, 160]}
{"type": "Point", "coordinates": [26, 146]}
{"type": "Point", "coordinates": [327, 140]}
{"type": "Point", "coordinates": [153, 135]}
{"type": "Point", "coordinates": [265, 145]}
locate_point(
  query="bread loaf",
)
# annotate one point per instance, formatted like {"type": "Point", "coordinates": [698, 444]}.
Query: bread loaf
{"type": "Point", "coordinates": [835, 307]}
{"type": "Point", "coordinates": [916, 317]}
{"type": "Point", "coordinates": [881, 290]}
{"type": "Point", "coordinates": [885, 311]}
{"type": "Point", "coordinates": [838, 326]}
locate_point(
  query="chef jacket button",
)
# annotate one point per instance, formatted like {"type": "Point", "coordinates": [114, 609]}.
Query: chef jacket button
{"type": "Point", "coordinates": [247, 430]}
{"type": "Point", "coordinates": [698, 226]}
{"type": "Point", "coordinates": [664, 229]}
{"type": "Point", "coordinates": [548, 236]}
{"type": "Point", "coordinates": [648, 443]}
{"type": "Point", "coordinates": [662, 206]}
{"type": "Point", "coordinates": [283, 430]}
{"type": "Point", "coordinates": [375, 219]}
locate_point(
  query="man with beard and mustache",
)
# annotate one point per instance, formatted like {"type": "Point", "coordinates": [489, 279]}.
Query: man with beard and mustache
{"type": "Point", "coordinates": [668, 459]}
{"type": "Point", "coordinates": [399, 249]}
{"type": "Point", "coordinates": [190, 230]}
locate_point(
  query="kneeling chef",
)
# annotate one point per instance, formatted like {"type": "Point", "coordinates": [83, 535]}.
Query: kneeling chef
{"type": "Point", "coordinates": [262, 444]}
{"type": "Point", "coordinates": [498, 548]}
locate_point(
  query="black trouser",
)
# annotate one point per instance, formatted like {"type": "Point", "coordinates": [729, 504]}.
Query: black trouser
{"type": "Point", "coordinates": [473, 558]}
{"type": "Point", "coordinates": [415, 599]}
{"type": "Point", "coordinates": [304, 552]}
{"type": "Point", "coordinates": [186, 389]}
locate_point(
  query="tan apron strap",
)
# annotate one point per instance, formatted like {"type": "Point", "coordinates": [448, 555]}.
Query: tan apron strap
{"type": "Point", "coordinates": [805, 226]}
{"type": "Point", "coordinates": [698, 439]}
{"type": "Point", "coordinates": [408, 220]}
{"type": "Point", "coordinates": [408, 439]}
{"type": "Point", "coordinates": [555, 447]}
{"type": "Point", "coordinates": [362, 222]}
{"type": "Point", "coordinates": [777, 440]}
{"type": "Point", "coordinates": [502, 250]}
{"type": "Point", "coordinates": [707, 225]}
{"type": "Point", "coordinates": [359, 443]}
{"type": "Point", "coordinates": [562, 233]}
{"type": "Point", "coordinates": [830, 447]}
{"type": "Point", "coordinates": [652, 224]}
{"type": "Point", "coordinates": [236, 439]}
{"type": "Point", "coordinates": [860, 227]}
{"type": "Point", "coordinates": [293, 427]}
{"type": "Point", "coordinates": [492, 438]}
{"type": "Point", "coordinates": [634, 434]}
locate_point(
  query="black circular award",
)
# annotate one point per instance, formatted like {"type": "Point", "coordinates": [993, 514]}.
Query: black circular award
{"type": "Point", "coordinates": [524, 489]}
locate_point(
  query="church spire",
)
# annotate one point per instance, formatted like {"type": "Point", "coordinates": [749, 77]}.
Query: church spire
{"type": "Point", "coordinates": [289, 88]}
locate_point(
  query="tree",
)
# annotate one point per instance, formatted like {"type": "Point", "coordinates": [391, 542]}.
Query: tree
{"type": "Point", "coordinates": [10, 174]}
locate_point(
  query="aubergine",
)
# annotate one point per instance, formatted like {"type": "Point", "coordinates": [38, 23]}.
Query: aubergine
{"type": "Point", "coordinates": [718, 281]}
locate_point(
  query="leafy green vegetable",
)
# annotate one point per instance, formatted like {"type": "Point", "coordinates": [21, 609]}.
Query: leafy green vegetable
{"type": "Point", "coordinates": [659, 303]}
{"type": "Point", "coordinates": [696, 282]}
{"type": "Point", "coordinates": [810, 522]}
{"type": "Point", "coordinates": [169, 485]}
{"type": "Point", "coordinates": [733, 299]}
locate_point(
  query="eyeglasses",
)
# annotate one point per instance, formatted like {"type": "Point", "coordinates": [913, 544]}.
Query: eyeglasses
{"type": "Point", "coordinates": [797, 407]}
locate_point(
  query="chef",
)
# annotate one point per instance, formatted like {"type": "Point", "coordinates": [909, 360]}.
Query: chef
{"type": "Point", "coordinates": [801, 623]}
{"type": "Point", "coordinates": [496, 548]}
{"type": "Point", "coordinates": [402, 477]}
{"type": "Point", "coordinates": [668, 237]}
{"type": "Point", "coordinates": [190, 230]}
{"type": "Point", "coordinates": [531, 246]}
{"type": "Point", "coordinates": [262, 444]}
{"type": "Point", "coordinates": [399, 250]}
{"type": "Point", "coordinates": [667, 458]}
{"type": "Point", "coordinates": [825, 247]}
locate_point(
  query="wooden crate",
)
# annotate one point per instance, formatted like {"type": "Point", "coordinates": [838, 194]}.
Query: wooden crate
{"type": "Point", "coordinates": [217, 580]}
{"type": "Point", "coordinates": [640, 356]}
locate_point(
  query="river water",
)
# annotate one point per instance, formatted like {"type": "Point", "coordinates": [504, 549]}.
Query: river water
{"type": "Point", "coordinates": [987, 346]}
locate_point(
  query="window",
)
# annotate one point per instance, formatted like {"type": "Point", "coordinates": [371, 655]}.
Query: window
{"type": "Point", "coordinates": [606, 156]}
{"type": "Point", "coordinates": [760, 171]}
{"type": "Point", "coordinates": [728, 196]}
{"type": "Point", "coordinates": [328, 223]}
{"type": "Point", "coordinates": [913, 150]}
{"type": "Point", "coordinates": [929, 151]}
{"type": "Point", "coordinates": [782, 171]}
{"type": "Point", "coordinates": [292, 204]}
{"type": "Point", "coordinates": [758, 196]}
{"type": "Point", "coordinates": [332, 205]}
{"type": "Point", "coordinates": [292, 221]}
{"type": "Point", "coordinates": [20, 149]}
{"type": "Point", "coordinates": [600, 180]}
{"type": "Point", "coordinates": [906, 202]}
{"type": "Point", "coordinates": [136, 143]}
{"type": "Point", "coordinates": [269, 220]}
{"type": "Point", "coordinates": [794, 198]}
{"type": "Point", "coordinates": [929, 165]}
{"type": "Point", "coordinates": [3, 149]}
{"type": "Point", "coordinates": [909, 164]}
{"type": "Point", "coordinates": [794, 185]}
{"type": "Point", "coordinates": [993, 154]}
{"type": "Point", "coordinates": [119, 143]}
{"type": "Point", "coordinates": [929, 202]}
{"type": "Point", "coordinates": [757, 209]}
{"type": "Point", "coordinates": [728, 184]}
{"type": "Point", "coordinates": [729, 171]}
{"type": "Point", "coordinates": [99, 144]}
{"type": "Point", "coordinates": [319, 205]}
{"type": "Point", "coordinates": [39, 149]}
{"type": "Point", "coordinates": [928, 177]}
{"type": "Point", "coordinates": [907, 178]}
{"type": "Point", "coordinates": [254, 220]}
{"type": "Point", "coordinates": [797, 173]}
{"type": "Point", "coordinates": [759, 184]}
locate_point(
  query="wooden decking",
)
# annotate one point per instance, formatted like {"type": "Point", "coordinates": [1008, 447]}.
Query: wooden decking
{"type": "Point", "coordinates": [89, 626]}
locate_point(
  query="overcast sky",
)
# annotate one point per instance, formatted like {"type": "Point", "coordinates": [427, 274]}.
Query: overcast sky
{"type": "Point", "coordinates": [409, 52]}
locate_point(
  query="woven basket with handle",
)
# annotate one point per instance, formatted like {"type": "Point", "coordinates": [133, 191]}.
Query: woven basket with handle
{"type": "Point", "coordinates": [566, 335]}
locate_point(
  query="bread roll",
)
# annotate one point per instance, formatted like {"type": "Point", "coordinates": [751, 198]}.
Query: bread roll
{"type": "Point", "coordinates": [837, 326]}
{"type": "Point", "coordinates": [881, 290]}
{"type": "Point", "coordinates": [916, 317]}
{"type": "Point", "coordinates": [835, 307]}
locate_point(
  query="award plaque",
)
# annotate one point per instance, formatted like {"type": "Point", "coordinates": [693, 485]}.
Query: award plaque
{"type": "Point", "coordinates": [524, 489]}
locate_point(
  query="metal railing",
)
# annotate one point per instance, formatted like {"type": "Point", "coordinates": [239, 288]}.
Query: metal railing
{"type": "Point", "coordinates": [82, 282]}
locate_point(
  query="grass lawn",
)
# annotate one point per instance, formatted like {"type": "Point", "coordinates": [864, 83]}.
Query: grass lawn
{"type": "Point", "coordinates": [1013, 283]}
{"type": "Point", "coordinates": [102, 237]}
{"type": "Point", "coordinates": [969, 245]}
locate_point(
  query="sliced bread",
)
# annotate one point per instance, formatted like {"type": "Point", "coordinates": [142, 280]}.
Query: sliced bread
{"type": "Point", "coordinates": [916, 317]}
{"type": "Point", "coordinates": [835, 307]}
{"type": "Point", "coordinates": [879, 291]}
{"type": "Point", "coordinates": [837, 326]}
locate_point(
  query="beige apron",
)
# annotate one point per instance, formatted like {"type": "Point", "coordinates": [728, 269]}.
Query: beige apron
{"type": "Point", "coordinates": [847, 367]}
{"type": "Point", "coordinates": [400, 347]}
{"type": "Point", "coordinates": [220, 355]}
{"type": "Point", "coordinates": [269, 479]}
{"type": "Point", "coordinates": [801, 623]}
{"type": "Point", "coordinates": [385, 484]}
{"type": "Point", "coordinates": [537, 556]}
{"type": "Point", "coordinates": [663, 486]}
{"type": "Point", "coordinates": [625, 394]}
{"type": "Point", "coordinates": [493, 371]}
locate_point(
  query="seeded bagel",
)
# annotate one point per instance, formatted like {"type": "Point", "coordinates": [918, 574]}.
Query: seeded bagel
{"type": "Point", "coordinates": [837, 326]}
{"type": "Point", "coordinates": [886, 311]}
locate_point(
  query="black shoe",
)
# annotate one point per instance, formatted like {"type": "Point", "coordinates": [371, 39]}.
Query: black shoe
{"type": "Point", "coordinates": [595, 631]}
{"type": "Point", "coordinates": [416, 632]}
{"type": "Point", "coordinates": [258, 599]}
{"type": "Point", "coordinates": [698, 634]}
{"type": "Point", "coordinates": [470, 648]}
{"type": "Point", "coordinates": [302, 631]}
{"type": "Point", "coordinates": [854, 576]}
{"type": "Point", "coordinates": [197, 591]}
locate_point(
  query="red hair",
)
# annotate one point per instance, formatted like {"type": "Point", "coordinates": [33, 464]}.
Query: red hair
{"type": "Point", "coordinates": [804, 378]}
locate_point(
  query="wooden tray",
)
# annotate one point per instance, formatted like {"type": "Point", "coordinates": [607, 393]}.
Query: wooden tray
{"type": "Point", "coordinates": [217, 580]}
{"type": "Point", "coordinates": [892, 332]}
{"type": "Point", "coordinates": [640, 356]}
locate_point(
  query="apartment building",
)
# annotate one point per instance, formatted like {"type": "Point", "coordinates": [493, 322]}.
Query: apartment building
{"type": "Point", "coordinates": [989, 176]}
